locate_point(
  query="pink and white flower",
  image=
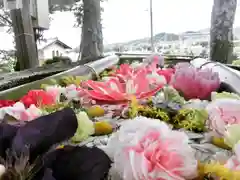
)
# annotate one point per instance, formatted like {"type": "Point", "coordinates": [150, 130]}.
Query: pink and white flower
{"type": "Point", "coordinates": [194, 83]}
{"type": "Point", "coordinates": [19, 112]}
{"type": "Point", "coordinates": [55, 91]}
{"type": "Point", "coordinates": [148, 149]}
{"type": "Point", "coordinates": [223, 112]}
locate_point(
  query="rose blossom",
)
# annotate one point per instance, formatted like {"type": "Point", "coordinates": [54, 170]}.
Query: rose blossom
{"type": "Point", "coordinates": [148, 149]}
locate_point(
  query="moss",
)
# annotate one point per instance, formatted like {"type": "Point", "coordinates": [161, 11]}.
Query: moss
{"type": "Point", "coordinates": [191, 119]}
{"type": "Point", "coordinates": [153, 112]}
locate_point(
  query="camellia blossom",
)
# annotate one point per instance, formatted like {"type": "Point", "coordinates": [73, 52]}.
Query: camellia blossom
{"type": "Point", "coordinates": [223, 112]}
{"type": "Point", "coordinates": [37, 98]}
{"type": "Point", "coordinates": [19, 112]}
{"type": "Point", "coordinates": [195, 83]}
{"type": "Point", "coordinates": [148, 149]}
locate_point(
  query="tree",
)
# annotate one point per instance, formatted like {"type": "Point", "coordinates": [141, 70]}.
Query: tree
{"type": "Point", "coordinates": [221, 33]}
{"type": "Point", "coordinates": [91, 47]}
{"type": "Point", "coordinates": [88, 15]}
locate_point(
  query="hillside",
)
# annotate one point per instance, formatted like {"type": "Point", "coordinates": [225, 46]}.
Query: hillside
{"type": "Point", "coordinates": [164, 36]}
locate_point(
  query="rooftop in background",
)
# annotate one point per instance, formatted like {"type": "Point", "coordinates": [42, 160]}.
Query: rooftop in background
{"type": "Point", "coordinates": [43, 44]}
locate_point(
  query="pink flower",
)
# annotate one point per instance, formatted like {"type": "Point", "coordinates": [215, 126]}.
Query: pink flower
{"type": "Point", "coordinates": [194, 83]}
{"type": "Point", "coordinates": [167, 73]}
{"type": "Point", "coordinates": [148, 149]}
{"type": "Point", "coordinates": [223, 112]}
{"type": "Point", "coordinates": [19, 112]}
{"type": "Point", "coordinates": [114, 90]}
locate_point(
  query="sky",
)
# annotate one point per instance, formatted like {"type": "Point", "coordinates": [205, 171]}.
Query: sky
{"type": "Point", "coordinates": [125, 20]}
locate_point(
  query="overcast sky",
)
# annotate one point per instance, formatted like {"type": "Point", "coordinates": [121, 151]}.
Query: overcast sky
{"type": "Point", "coordinates": [125, 20]}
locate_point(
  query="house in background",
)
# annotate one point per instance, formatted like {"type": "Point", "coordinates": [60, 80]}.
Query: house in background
{"type": "Point", "coordinates": [51, 48]}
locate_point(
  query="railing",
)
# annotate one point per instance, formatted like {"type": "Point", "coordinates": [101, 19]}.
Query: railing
{"type": "Point", "coordinates": [88, 70]}
{"type": "Point", "coordinates": [169, 59]}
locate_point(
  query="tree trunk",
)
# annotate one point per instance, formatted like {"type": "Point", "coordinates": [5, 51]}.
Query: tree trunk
{"type": "Point", "coordinates": [92, 40]}
{"type": "Point", "coordinates": [221, 33]}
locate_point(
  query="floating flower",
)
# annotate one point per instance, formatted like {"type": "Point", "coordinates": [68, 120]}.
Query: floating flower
{"type": "Point", "coordinates": [125, 71]}
{"type": "Point", "coordinates": [195, 83]}
{"type": "Point", "coordinates": [167, 73]}
{"type": "Point", "coordinates": [223, 112]}
{"type": "Point", "coordinates": [148, 149]}
{"type": "Point", "coordinates": [155, 78]}
{"type": "Point", "coordinates": [5, 103]}
{"type": "Point", "coordinates": [55, 91]}
{"type": "Point", "coordinates": [37, 98]}
{"type": "Point", "coordinates": [19, 112]}
{"type": "Point", "coordinates": [114, 90]}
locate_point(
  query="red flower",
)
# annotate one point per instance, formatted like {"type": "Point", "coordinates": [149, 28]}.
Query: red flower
{"type": "Point", "coordinates": [5, 103]}
{"type": "Point", "coordinates": [38, 98]}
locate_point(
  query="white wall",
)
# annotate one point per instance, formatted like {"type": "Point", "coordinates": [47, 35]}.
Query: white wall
{"type": "Point", "coordinates": [47, 52]}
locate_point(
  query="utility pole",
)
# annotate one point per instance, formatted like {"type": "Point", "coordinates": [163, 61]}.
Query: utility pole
{"type": "Point", "coordinates": [24, 36]}
{"type": "Point", "coordinates": [151, 26]}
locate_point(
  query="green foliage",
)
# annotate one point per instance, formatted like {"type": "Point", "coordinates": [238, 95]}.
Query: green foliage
{"type": "Point", "coordinates": [62, 59]}
{"type": "Point", "coordinates": [106, 73]}
{"type": "Point", "coordinates": [191, 119]}
{"type": "Point", "coordinates": [153, 112]}
{"type": "Point", "coordinates": [236, 63]}
{"type": "Point", "coordinates": [8, 61]}
{"type": "Point", "coordinates": [68, 80]}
